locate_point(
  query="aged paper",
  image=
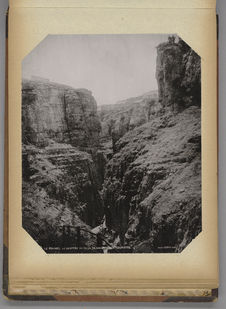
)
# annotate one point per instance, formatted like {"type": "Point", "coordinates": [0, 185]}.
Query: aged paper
{"type": "Point", "coordinates": [195, 22]}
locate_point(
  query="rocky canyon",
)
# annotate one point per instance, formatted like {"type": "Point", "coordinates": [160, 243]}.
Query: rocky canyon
{"type": "Point", "coordinates": [124, 177]}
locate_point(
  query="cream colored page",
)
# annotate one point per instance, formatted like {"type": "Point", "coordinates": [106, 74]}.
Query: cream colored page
{"type": "Point", "coordinates": [117, 3]}
{"type": "Point", "coordinates": [198, 262]}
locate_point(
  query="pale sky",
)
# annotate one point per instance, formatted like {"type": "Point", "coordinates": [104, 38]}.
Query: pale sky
{"type": "Point", "coordinates": [113, 67]}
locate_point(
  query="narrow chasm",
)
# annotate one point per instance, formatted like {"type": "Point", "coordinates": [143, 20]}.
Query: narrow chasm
{"type": "Point", "coordinates": [119, 178]}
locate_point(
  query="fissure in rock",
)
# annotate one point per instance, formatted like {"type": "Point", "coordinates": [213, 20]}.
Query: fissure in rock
{"type": "Point", "coordinates": [117, 178]}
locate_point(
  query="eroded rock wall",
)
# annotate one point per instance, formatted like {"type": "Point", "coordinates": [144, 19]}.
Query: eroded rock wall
{"type": "Point", "coordinates": [58, 112]}
{"type": "Point", "coordinates": [61, 161]}
{"type": "Point", "coordinates": [153, 184]}
{"type": "Point", "coordinates": [152, 189]}
{"type": "Point", "coordinates": [118, 119]}
{"type": "Point", "coordinates": [146, 193]}
{"type": "Point", "coordinates": [178, 73]}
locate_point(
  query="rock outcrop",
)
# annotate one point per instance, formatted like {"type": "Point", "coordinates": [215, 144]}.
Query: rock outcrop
{"type": "Point", "coordinates": [178, 75]}
{"type": "Point", "coordinates": [117, 119]}
{"type": "Point", "coordinates": [152, 191]}
{"type": "Point", "coordinates": [58, 112]}
{"type": "Point", "coordinates": [61, 160]}
{"type": "Point", "coordinates": [152, 188]}
{"type": "Point", "coordinates": [130, 172]}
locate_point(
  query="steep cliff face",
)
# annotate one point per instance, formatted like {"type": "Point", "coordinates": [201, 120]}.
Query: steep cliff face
{"type": "Point", "coordinates": [152, 189]}
{"type": "Point", "coordinates": [178, 75]}
{"type": "Point", "coordinates": [60, 113]}
{"type": "Point", "coordinates": [61, 160]}
{"type": "Point", "coordinates": [131, 172]}
{"type": "Point", "coordinates": [118, 119]}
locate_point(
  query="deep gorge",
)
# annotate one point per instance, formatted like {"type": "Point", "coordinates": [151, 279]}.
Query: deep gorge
{"type": "Point", "coordinates": [129, 172]}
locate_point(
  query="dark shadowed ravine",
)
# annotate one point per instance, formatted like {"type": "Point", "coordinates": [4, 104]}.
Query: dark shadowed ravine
{"type": "Point", "coordinates": [115, 178]}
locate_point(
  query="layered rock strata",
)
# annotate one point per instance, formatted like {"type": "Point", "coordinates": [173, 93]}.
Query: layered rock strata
{"type": "Point", "coordinates": [117, 119]}
{"type": "Point", "coordinates": [132, 173]}
{"type": "Point", "coordinates": [58, 112]}
{"type": "Point", "coordinates": [61, 160]}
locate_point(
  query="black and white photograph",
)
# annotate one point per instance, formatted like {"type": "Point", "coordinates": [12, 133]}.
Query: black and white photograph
{"type": "Point", "coordinates": [111, 144]}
